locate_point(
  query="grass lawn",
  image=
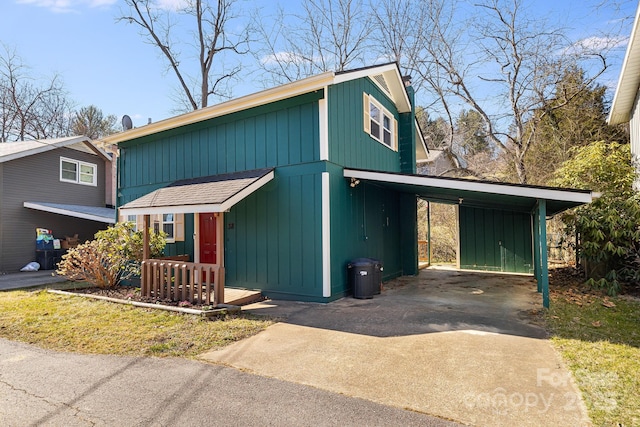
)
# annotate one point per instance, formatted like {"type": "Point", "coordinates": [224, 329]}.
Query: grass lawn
{"type": "Point", "coordinates": [599, 339]}
{"type": "Point", "coordinates": [76, 324]}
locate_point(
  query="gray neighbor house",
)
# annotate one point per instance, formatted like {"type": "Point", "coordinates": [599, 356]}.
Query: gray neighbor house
{"type": "Point", "coordinates": [64, 185]}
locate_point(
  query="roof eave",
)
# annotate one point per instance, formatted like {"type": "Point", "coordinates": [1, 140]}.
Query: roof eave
{"type": "Point", "coordinates": [43, 147]}
{"type": "Point", "coordinates": [629, 80]}
{"type": "Point", "coordinates": [393, 77]}
{"type": "Point", "coordinates": [278, 93]}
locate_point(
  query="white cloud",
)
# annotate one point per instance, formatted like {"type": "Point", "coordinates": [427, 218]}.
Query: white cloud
{"type": "Point", "coordinates": [596, 43]}
{"type": "Point", "coordinates": [171, 4]}
{"type": "Point", "coordinates": [66, 6]}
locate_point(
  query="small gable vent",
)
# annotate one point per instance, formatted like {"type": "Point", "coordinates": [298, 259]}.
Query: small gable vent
{"type": "Point", "coordinates": [380, 80]}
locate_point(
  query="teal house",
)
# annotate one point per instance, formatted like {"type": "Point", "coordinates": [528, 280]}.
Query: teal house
{"type": "Point", "coordinates": [283, 188]}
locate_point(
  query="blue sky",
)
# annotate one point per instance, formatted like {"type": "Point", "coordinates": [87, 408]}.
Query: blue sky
{"type": "Point", "coordinates": [107, 64]}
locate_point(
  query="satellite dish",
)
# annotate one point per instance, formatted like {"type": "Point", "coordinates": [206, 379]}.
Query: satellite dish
{"type": "Point", "coordinates": [126, 122]}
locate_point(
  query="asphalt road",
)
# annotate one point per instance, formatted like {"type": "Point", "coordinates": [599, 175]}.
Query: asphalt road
{"type": "Point", "coordinates": [41, 387]}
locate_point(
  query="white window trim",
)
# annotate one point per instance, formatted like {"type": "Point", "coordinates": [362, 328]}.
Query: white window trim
{"type": "Point", "coordinates": [79, 165]}
{"type": "Point", "coordinates": [178, 224]}
{"type": "Point", "coordinates": [159, 219]}
{"type": "Point", "coordinates": [368, 100]}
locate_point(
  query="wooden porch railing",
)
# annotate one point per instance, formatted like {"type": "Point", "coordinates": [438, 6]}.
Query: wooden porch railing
{"type": "Point", "coordinates": [182, 281]}
{"type": "Point", "coordinates": [423, 251]}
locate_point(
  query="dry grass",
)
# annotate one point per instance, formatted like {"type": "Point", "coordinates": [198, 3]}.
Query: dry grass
{"type": "Point", "coordinates": [76, 324]}
{"type": "Point", "coordinates": [599, 339]}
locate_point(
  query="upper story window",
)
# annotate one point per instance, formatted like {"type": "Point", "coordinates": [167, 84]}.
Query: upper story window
{"type": "Point", "coordinates": [78, 172]}
{"type": "Point", "coordinates": [380, 123]}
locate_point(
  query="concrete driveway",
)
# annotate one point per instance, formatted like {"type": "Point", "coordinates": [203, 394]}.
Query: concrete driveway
{"type": "Point", "coordinates": [458, 345]}
{"type": "Point", "coordinates": [28, 279]}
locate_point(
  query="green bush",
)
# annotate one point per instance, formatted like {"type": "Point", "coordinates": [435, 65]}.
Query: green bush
{"type": "Point", "coordinates": [609, 228]}
{"type": "Point", "coordinates": [113, 256]}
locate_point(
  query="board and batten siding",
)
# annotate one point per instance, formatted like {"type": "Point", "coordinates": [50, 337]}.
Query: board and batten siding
{"type": "Point", "coordinates": [365, 223]}
{"type": "Point", "coordinates": [277, 134]}
{"type": "Point", "coordinates": [36, 178]}
{"type": "Point", "coordinates": [349, 145]}
{"type": "Point", "coordinates": [495, 240]}
{"type": "Point", "coordinates": [273, 238]}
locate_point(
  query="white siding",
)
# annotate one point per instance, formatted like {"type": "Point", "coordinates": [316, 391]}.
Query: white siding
{"type": "Point", "coordinates": [634, 129]}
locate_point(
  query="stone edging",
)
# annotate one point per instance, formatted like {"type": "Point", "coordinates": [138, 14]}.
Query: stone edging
{"type": "Point", "coordinates": [220, 308]}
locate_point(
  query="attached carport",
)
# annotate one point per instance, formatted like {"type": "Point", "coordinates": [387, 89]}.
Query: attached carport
{"type": "Point", "coordinates": [481, 203]}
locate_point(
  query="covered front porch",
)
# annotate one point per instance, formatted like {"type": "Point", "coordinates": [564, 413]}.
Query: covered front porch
{"type": "Point", "coordinates": [202, 280]}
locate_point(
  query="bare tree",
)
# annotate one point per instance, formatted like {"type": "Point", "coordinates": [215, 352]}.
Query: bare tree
{"type": "Point", "coordinates": [213, 41]}
{"type": "Point", "coordinates": [329, 35]}
{"type": "Point", "coordinates": [30, 108]}
{"type": "Point", "coordinates": [91, 122]}
{"type": "Point", "coordinates": [515, 59]}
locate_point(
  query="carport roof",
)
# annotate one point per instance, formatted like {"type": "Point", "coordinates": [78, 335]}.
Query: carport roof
{"type": "Point", "coordinates": [474, 193]}
{"type": "Point", "coordinates": [92, 213]}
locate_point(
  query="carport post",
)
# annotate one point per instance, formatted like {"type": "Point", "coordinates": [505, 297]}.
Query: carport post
{"type": "Point", "coordinates": [542, 269]}
{"type": "Point", "coordinates": [536, 244]}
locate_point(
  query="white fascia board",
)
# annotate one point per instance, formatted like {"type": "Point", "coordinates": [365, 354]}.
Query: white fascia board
{"type": "Point", "coordinates": [398, 91]}
{"type": "Point", "coordinates": [629, 80]}
{"type": "Point", "coordinates": [230, 202]}
{"type": "Point", "coordinates": [279, 93]}
{"type": "Point", "coordinates": [183, 209]}
{"type": "Point", "coordinates": [480, 187]}
{"type": "Point", "coordinates": [422, 152]}
{"type": "Point", "coordinates": [67, 212]}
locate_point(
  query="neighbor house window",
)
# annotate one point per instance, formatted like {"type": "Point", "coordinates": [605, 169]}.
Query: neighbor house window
{"type": "Point", "coordinates": [172, 224]}
{"type": "Point", "coordinates": [380, 123]}
{"type": "Point", "coordinates": [133, 219]}
{"type": "Point", "coordinates": [78, 172]}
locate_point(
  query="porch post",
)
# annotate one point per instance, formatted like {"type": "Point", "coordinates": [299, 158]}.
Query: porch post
{"type": "Point", "coordinates": [146, 250]}
{"type": "Point", "coordinates": [219, 289]}
{"type": "Point", "coordinates": [543, 280]}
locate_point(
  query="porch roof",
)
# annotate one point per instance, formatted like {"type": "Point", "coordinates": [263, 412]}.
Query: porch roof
{"type": "Point", "coordinates": [475, 193]}
{"type": "Point", "coordinates": [215, 193]}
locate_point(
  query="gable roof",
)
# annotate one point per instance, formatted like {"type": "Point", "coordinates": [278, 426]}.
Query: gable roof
{"type": "Point", "coordinates": [386, 76]}
{"type": "Point", "coordinates": [18, 149]}
{"type": "Point", "coordinates": [629, 80]}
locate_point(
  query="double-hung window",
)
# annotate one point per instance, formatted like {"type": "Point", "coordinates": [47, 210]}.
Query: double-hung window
{"type": "Point", "coordinates": [172, 224]}
{"type": "Point", "coordinates": [166, 223]}
{"type": "Point", "coordinates": [380, 123]}
{"type": "Point", "coordinates": [78, 172]}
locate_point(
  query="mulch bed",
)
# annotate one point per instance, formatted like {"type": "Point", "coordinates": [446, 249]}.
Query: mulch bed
{"type": "Point", "coordinates": [133, 294]}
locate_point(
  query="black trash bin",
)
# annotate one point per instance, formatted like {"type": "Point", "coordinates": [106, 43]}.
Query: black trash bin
{"type": "Point", "coordinates": [361, 274]}
{"type": "Point", "coordinates": [377, 275]}
{"type": "Point", "coordinates": [45, 259]}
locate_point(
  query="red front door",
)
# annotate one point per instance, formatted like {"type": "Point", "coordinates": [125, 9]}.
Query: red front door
{"type": "Point", "coordinates": [208, 250]}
